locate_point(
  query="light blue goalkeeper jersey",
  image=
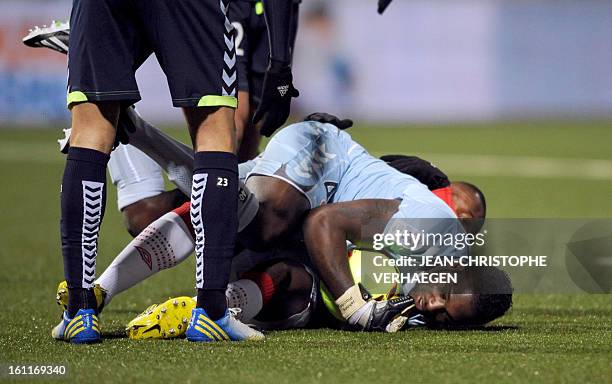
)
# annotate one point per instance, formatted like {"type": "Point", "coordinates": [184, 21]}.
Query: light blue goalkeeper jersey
{"type": "Point", "coordinates": [328, 166]}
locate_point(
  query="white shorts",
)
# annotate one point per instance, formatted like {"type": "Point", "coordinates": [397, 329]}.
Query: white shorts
{"type": "Point", "coordinates": [135, 175]}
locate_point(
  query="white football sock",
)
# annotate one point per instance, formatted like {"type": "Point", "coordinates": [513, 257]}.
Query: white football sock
{"type": "Point", "coordinates": [246, 295]}
{"type": "Point", "coordinates": [163, 244]}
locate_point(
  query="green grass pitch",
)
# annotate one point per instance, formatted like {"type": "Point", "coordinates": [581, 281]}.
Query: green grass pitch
{"type": "Point", "coordinates": [526, 170]}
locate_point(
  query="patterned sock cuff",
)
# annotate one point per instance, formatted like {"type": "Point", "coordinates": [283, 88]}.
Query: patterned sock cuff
{"type": "Point", "coordinates": [89, 155]}
{"type": "Point", "coordinates": [216, 160]}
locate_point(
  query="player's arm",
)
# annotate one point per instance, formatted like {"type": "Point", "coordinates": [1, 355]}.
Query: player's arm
{"type": "Point", "coordinates": [327, 228]}
{"type": "Point", "coordinates": [278, 88]}
{"type": "Point", "coordinates": [326, 231]}
{"type": "Point", "coordinates": [279, 19]}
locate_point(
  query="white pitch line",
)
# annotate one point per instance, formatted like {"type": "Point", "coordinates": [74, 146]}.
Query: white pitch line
{"type": "Point", "coordinates": [521, 166]}
{"type": "Point", "coordinates": [469, 165]}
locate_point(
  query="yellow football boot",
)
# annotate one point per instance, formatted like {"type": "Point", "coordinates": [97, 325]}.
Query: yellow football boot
{"type": "Point", "coordinates": [62, 295]}
{"type": "Point", "coordinates": [162, 321]}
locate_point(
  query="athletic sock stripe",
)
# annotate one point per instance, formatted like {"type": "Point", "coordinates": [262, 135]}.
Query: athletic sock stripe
{"type": "Point", "coordinates": [92, 213]}
{"type": "Point", "coordinates": [197, 211]}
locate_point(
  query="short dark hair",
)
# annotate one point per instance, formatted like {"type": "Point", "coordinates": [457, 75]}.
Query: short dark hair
{"type": "Point", "coordinates": [493, 294]}
{"type": "Point", "coordinates": [474, 224]}
{"type": "Point", "coordinates": [480, 195]}
{"type": "Point", "coordinates": [490, 307]}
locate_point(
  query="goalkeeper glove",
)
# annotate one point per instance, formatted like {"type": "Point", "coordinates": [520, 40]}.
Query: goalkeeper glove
{"type": "Point", "coordinates": [275, 98]}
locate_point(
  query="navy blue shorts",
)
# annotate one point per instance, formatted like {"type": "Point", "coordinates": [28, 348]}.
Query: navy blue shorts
{"type": "Point", "coordinates": [252, 46]}
{"type": "Point", "coordinates": [193, 41]}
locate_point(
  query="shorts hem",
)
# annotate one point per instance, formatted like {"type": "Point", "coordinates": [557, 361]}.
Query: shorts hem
{"type": "Point", "coordinates": [207, 101]}
{"type": "Point", "coordinates": [75, 97]}
{"type": "Point", "coordinates": [133, 193]}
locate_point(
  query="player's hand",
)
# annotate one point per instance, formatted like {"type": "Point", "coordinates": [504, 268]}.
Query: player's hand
{"type": "Point", "coordinates": [382, 5]}
{"type": "Point", "coordinates": [391, 315]}
{"type": "Point", "coordinates": [275, 98]}
{"type": "Point", "coordinates": [323, 117]}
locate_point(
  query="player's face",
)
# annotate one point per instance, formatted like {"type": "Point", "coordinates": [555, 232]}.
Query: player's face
{"type": "Point", "coordinates": [443, 308]}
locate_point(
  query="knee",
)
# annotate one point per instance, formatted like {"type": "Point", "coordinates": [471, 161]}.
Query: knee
{"type": "Point", "coordinates": [137, 217]}
{"type": "Point", "coordinates": [212, 128]}
{"type": "Point", "coordinates": [94, 126]}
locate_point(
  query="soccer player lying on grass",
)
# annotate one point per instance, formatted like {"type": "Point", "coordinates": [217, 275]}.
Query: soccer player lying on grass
{"type": "Point", "coordinates": [308, 152]}
{"type": "Point", "coordinates": [283, 293]}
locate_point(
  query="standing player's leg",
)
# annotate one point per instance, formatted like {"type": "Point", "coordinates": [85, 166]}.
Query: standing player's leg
{"type": "Point", "coordinates": [96, 88]}
{"type": "Point", "coordinates": [140, 186]}
{"type": "Point", "coordinates": [213, 203]}
{"type": "Point", "coordinates": [194, 43]}
{"type": "Point", "coordinates": [240, 15]}
{"type": "Point", "coordinates": [83, 197]}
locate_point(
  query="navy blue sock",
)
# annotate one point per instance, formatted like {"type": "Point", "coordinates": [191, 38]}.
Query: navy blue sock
{"type": "Point", "coordinates": [83, 199]}
{"type": "Point", "coordinates": [214, 204]}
